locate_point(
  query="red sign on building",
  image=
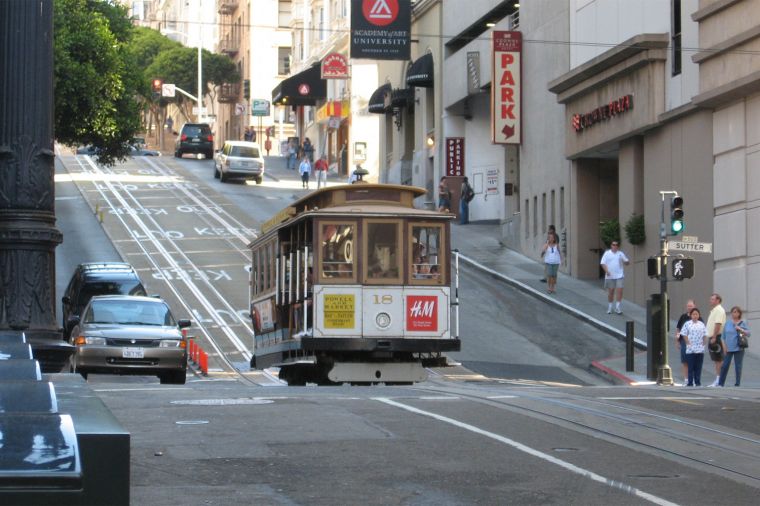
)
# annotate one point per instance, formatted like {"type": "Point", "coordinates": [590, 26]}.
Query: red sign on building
{"type": "Point", "coordinates": [422, 313]}
{"type": "Point", "coordinates": [335, 66]}
{"type": "Point", "coordinates": [506, 88]}
{"type": "Point", "coordinates": [455, 156]}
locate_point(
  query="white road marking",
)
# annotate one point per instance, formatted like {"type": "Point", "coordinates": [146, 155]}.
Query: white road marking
{"type": "Point", "coordinates": [535, 453]}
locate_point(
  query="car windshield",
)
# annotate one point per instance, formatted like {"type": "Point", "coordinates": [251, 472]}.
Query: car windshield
{"type": "Point", "coordinates": [244, 152]}
{"type": "Point", "coordinates": [113, 287]}
{"type": "Point", "coordinates": [194, 131]}
{"type": "Point", "coordinates": [129, 312]}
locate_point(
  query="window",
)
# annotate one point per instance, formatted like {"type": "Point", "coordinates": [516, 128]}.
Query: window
{"type": "Point", "coordinates": [337, 252]}
{"type": "Point", "coordinates": [553, 214]}
{"type": "Point", "coordinates": [382, 251]}
{"type": "Point", "coordinates": [543, 211]}
{"type": "Point", "coordinates": [561, 207]}
{"type": "Point", "coordinates": [535, 215]}
{"type": "Point", "coordinates": [675, 37]}
{"type": "Point", "coordinates": [283, 61]}
{"type": "Point", "coordinates": [527, 218]}
{"type": "Point", "coordinates": [427, 255]}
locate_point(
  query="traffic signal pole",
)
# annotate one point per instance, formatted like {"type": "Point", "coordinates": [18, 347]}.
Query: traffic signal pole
{"type": "Point", "coordinates": [664, 373]}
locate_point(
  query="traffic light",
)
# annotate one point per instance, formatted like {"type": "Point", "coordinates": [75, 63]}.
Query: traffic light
{"type": "Point", "coordinates": [683, 268]}
{"type": "Point", "coordinates": [157, 84]}
{"type": "Point", "coordinates": [676, 216]}
{"type": "Point", "coordinates": [247, 88]}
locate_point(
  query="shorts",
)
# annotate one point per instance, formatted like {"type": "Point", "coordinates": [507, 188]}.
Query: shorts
{"type": "Point", "coordinates": [551, 270]}
{"type": "Point", "coordinates": [716, 356]}
{"type": "Point", "coordinates": [613, 283]}
{"type": "Point", "coordinates": [444, 203]}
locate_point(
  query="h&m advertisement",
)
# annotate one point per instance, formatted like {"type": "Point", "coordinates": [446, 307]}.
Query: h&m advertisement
{"type": "Point", "coordinates": [381, 29]}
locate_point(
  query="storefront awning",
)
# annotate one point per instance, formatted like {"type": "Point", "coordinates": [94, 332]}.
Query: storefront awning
{"type": "Point", "coordinates": [378, 101]}
{"type": "Point", "coordinates": [402, 97]}
{"type": "Point", "coordinates": [421, 72]}
{"type": "Point", "coordinates": [304, 88]}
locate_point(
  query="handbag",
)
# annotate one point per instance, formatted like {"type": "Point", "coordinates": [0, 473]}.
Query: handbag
{"type": "Point", "coordinates": [743, 341]}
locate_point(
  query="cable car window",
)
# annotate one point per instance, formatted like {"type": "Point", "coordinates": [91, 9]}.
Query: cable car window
{"type": "Point", "coordinates": [337, 251]}
{"type": "Point", "coordinates": [426, 257]}
{"type": "Point", "coordinates": [383, 248]}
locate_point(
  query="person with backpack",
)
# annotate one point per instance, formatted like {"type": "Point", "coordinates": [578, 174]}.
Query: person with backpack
{"type": "Point", "coordinates": [466, 194]}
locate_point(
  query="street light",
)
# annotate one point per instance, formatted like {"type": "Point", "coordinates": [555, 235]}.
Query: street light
{"type": "Point", "coordinates": [199, 97]}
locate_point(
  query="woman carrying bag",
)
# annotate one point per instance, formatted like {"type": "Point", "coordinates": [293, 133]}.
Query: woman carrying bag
{"type": "Point", "coordinates": [735, 342]}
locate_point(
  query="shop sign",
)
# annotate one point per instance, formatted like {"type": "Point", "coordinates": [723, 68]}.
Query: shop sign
{"type": "Point", "coordinates": [616, 107]}
{"type": "Point", "coordinates": [335, 66]}
{"type": "Point", "coordinates": [422, 313]}
{"type": "Point", "coordinates": [381, 29]}
{"type": "Point", "coordinates": [455, 156]}
{"type": "Point", "coordinates": [506, 87]}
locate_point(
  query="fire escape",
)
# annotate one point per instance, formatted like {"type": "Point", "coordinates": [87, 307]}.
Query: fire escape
{"type": "Point", "coordinates": [229, 44]}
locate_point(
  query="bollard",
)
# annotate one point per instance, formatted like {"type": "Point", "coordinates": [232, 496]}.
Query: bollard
{"type": "Point", "coordinates": [629, 346]}
{"type": "Point", "coordinates": [203, 359]}
{"type": "Point", "coordinates": [191, 350]}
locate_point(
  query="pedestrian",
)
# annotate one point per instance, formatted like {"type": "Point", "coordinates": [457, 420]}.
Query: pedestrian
{"type": "Point", "coordinates": [170, 124]}
{"type": "Point", "coordinates": [308, 149]}
{"type": "Point", "coordinates": [680, 342]}
{"type": "Point", "coordinates": [549, 231]}
{"type": "Point", "coordinates": [715, 323]}
{"type": "Point", "coordinates": [248, 135]}
{"type": "Point", "coordinates": [320, 171]}
{"type": "Point", "coordinates": [292, 154]}
{"type": "Point", "coordinates": [305, 170]}
{"type": "Point", "coordinates": [693, 333]}
{"type": "Point", "coordinates": [552, 259]}
{"type": "Point", "coordinates": [735, 328]}
{"type": "Point", "coordinates": [444, 196]}
{"type": "Point", "coordinates": [613, 263]}
{"type": "Point", "coordinates": [466, 194]}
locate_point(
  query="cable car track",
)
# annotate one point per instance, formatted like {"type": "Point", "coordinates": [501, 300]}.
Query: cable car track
{"type": "Point", "coordinates": [623, 421]}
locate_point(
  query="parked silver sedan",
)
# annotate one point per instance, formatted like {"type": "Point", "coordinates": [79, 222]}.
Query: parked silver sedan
{"type": "Point", "coordinates": [123, 334]}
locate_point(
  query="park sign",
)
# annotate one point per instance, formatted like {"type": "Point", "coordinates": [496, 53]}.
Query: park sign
{"type": "Point", "coordinates": [259, 107]}
{"type": "Point", "coordinates": [506, 87]}
{"type": "Point", "coordinates": [381, 29]}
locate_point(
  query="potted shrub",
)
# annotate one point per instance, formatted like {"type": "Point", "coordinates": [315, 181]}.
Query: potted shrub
{"type": "Point", "coordinates": [635, 231]}
{"type": "Point", "coordinates": [609, 231]}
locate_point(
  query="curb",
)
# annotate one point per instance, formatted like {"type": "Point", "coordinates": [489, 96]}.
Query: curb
{"type": "Point", "coordinates": [638, 343]}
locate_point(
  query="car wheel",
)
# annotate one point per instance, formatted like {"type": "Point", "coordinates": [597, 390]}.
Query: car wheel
{"type": "Point", "coordinates": [209, 155]}
{"type": "Point", "coordinates": [223, 177]}
{"type": "Point", "coordinates": [173, 377]}
{"type": "Point", "coordinates": [216, 173]}
{"type": "Point", "coordinates": [259, 180]}
{"type": "Point", "coordinates": [177, 154]}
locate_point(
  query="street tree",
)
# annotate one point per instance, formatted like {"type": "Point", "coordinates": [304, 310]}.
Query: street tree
{"type": "Point", "coordinates": [95, 79]}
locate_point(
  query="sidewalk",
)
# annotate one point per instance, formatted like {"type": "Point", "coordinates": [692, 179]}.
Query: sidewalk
{"type": "Point", "coordinates": [478, 244]}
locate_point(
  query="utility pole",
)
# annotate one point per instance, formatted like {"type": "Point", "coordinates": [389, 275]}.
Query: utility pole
{"type": "Point", "coordinates": [28, 236]}
{"type": "Point", "coordinates": [664, 373]}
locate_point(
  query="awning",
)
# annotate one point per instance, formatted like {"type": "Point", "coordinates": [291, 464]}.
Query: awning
{"type": "Point", "coordinates": [377, 102]}
{"type": "Point", "coordinates": [421, 72]}
{"type": "Point", "coordinates": [402, 97]}
{"type": "Point", "coordinates": [304, 88]}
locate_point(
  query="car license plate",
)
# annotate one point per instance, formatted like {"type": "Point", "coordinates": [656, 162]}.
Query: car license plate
{"type": "Point", "coordinates": [196, 139]}
{"type": "Point", "coordinates": [133, 353]}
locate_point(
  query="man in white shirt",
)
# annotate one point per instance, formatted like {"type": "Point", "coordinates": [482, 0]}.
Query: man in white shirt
{"type": "Point", "coordinates": [613, 262]}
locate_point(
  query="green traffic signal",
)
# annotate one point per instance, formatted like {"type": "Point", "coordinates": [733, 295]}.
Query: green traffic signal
{"type": "Point", "coordinates": [676, 216]}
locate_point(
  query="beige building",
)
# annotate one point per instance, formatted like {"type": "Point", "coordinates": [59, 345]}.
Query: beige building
{"type": "Point", "coordinates": [729, 91]}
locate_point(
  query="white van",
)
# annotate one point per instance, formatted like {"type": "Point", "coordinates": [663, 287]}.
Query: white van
{"type": "Point", "coordinates": [241, 159]}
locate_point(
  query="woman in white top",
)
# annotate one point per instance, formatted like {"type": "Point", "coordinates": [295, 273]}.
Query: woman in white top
{"type": "Point", "coordinates": [552, 259]}
{"type": "Point", "coordinates": [693, 332]}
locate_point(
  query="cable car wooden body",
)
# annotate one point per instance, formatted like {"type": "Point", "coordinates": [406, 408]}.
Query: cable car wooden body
{"type": "Point", "coordinates": [352, 283]}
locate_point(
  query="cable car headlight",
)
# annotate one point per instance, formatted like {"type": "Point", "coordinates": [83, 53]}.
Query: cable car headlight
{"type": "Point", "coordinates": [383, 320]}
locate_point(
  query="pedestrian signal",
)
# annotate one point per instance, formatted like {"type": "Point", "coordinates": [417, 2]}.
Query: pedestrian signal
{"type": "Point", "coordinates": [246, 89]}
{"type": "Point", "coordinates": [683, 268]}
{"type": "Point", "coordinates": [676, 216]}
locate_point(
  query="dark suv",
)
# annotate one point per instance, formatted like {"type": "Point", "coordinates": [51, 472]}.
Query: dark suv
{"type": "Point", "coordinates": [195, 138]}
{"type": "Point", "coordinates": [97, 278]}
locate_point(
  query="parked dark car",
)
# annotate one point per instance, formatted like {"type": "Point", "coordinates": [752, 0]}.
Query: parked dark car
{"type": "Point", "coordinates": [97, 278]}
{"type": "Point", "coordinates": [121, 334]}
{"type": "Point", "coordinates": [195, 138]}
